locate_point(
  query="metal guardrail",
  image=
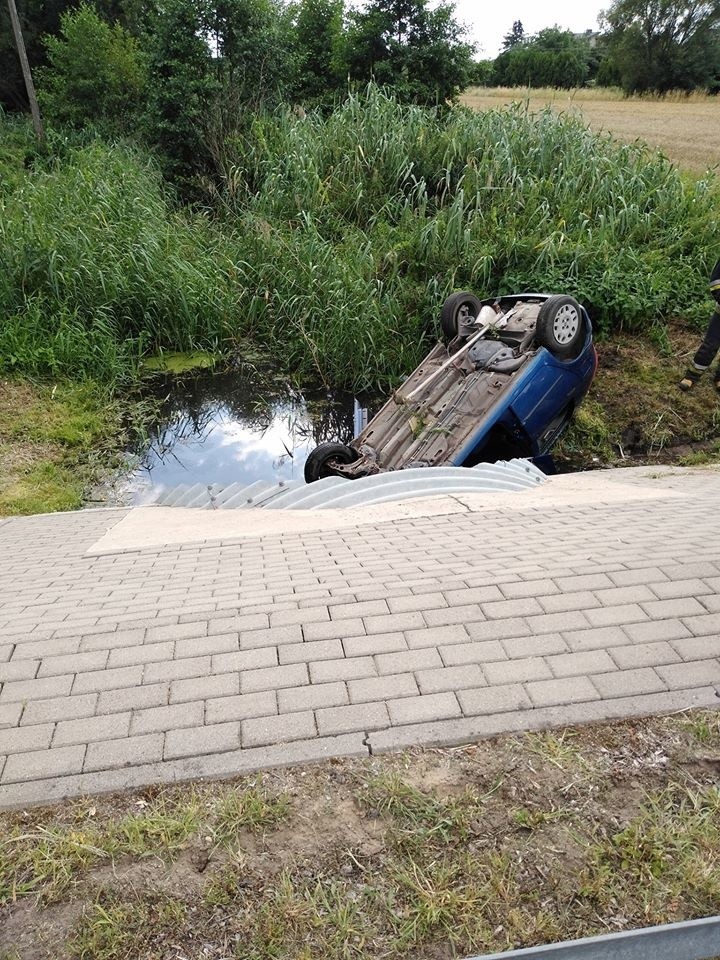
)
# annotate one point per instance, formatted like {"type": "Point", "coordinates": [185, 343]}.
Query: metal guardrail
{"type": "Point", "coordinates": [691, 940]}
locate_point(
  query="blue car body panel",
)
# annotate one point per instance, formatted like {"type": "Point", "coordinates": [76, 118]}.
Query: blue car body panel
{"type": "Point", "coordinates": [545, 389]}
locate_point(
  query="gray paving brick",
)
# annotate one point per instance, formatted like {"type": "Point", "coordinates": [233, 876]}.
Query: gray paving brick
{"type": "Point", "coordinates": [283, 729]}
{"type": "Point", "coordinates": [169, 717]}
{"type": "Point", "coordinates": [636, 593]}
{"type": "Point", "coordinates": [204, 688]}
{"type": "Point", "coordinates": [642, 575]}
{"type": "Point", "coordinates": [711, 603]}
{"type": "Point", "coordinates": [383, 688]}
{"type": "Point", "coordinates": [274, 637]}
{"type": "Point", "coordinates": [622, 614]}
{"type": "Point", "coordinates": [545, 644]}
{"type": "Point", "coordinates": [25, 739]}
{"type": "Point", "coordinates": [670, 589]}
{"type": "Point", "coordinates": [581, 663]}
{"type": "Point", "coordinates": [353, 669]}
{"type": "Point", "coordinates": [10, 715]}
{"type": "Point", "coordinates": [628, 683]}
{"type": "Point", "coordinates": [36, 689]}
{"type": "Point", "coordinates": [41, 764]}
{"type": "Point", "coordinates": [516, 671]}
{"type": "Point", "coordinates": [698, 673]}
{"type": "Point", "coordinates": [529, 588]}
{"type": "Point", "coordinates": [177, 669]}
{"type": "Point", "coordinates": [313, 697]}
{"type": "Point", "coordinates": [357, 717]}
{"type": "Point", "coordinates": [698, 626]}
{"type": "Point", "coordinates": [442, 679]}
{"type": "Point", "coordinates": [562, 602]}
{"type": "Point", "coordinates": [111, 639]}
{"type": "Point", "coordinates": [545, 693]}
{"type": "Point", "coordinates": [239, 624]}
{"type": "Point", "coordinates": [19, 670]}
{"type": "Point", "coordinates": [274, 678]}
{"type": "Point", "coordinates": [206, 646]}
{"type": "Point", "coordinates": [148, 653]}
{"type": "Point", "coordinates": [503, 609]}
{"type": "Point", "coordinates": [128, 752]}
{"type": "Point", "coordinates": [476, 651]}
{"type": "Point", "coordinates": [241, 707]}
{"type": "Point", "coordinates": [88, 729]}
{"type": "Point", "coordinates": [645, 655]}
{"type": "Point", "coordinates": [38, 649]}
{"type": "Point", "coordinates": [377, 643]}
{"type": "Point", "coordinates": [435, 706]}
{"type": "Point", "coordinates": [359, 608]}
{"type": "Point", "coordinates": [656, 630]}
{"type": "Point", "coordinates": [246, 659]}
{"type": "Point", "coordinates": [132, 698]}
{"type": "Point", "coordinates": [214, 738]}
{"type": "Point", "coordinates": [310, 651]}
{"type": "Point", "coordinates": [588, 581]}
{"type": "Point", "coordinates": [497, 699]}
{"type": "Point", "coordinates": [419, 602]}
{"type": "Point", "coordinates": [307, 615]}
{"type": "Point", "coordinates": [393, 622]}
{"type": "Point", "coordinates": [499, 629]}
{"type": "Point", "coordinates": [407, 661]}
{"type": "Point", "coordinates": [696, 648]}
{"type": "Point", "coordinates": [96, 680]}
{"type": "Point", "coordinates": [560, 622]}
{"type": "Point", "coordinates": [677, 607]}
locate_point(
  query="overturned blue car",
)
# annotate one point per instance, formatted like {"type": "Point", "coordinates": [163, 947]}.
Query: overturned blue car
{"type": "Point", "coordinates": [503, 382]}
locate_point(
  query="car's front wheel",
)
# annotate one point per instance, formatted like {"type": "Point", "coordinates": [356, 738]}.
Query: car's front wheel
{"type": "Point", "coordinates": [322, 461]}
{"type": "Point", "coordinates": [561, 326]}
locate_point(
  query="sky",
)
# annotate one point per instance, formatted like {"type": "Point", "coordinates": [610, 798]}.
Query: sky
{"type": "Point", "coordinates": [489, 22]}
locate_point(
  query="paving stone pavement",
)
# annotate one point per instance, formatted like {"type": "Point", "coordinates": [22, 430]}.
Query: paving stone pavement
{"type": "Point", "coordinates": [219, 657]}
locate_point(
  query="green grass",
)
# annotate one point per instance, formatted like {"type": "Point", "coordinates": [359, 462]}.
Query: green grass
{"type": "Point", "coordinates": [55, 441]}
{"type": "Point", "coordinates": [338, 237]}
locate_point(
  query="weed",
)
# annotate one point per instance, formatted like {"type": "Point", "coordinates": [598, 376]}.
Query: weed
{"type": "Point", "coordinates": [420, 816]}
{"type": "Point", "coordinates": [163, 828]}
{"type": "Point", "coordinates": [252, 808]}
{"type": "Point", "coordinates": [664, 857]}
{"type": "Point", "coordinates": [111, 929]}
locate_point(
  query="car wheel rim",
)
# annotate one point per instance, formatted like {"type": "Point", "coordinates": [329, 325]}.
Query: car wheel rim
{"type": "Point", "coordinates": [566, 323]}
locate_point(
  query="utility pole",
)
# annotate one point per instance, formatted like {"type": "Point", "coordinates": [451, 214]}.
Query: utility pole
{"type": "Point", "coordinates": [29, 86]}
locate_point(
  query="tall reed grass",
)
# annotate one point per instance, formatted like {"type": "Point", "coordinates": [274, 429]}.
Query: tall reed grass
{"type": "Point", "coordinates": [333, 241]}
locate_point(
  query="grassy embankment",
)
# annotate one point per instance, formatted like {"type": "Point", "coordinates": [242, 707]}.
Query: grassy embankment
{"type": "Point", "coordinates": [338, 239]}
{"type": "Point", "coordinates": [429, 854]}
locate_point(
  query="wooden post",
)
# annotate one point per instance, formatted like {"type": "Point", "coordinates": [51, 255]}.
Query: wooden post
{"type": "Point", "coordinates": [29, 86]}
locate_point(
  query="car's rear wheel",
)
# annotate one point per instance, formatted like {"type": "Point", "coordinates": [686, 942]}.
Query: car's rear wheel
{"type": "Point", "coordinates": [457, 308]}
{"type": "Point", "coordinates": [322, 461]}
{"type": "Point", "coordinates": [561, 326]}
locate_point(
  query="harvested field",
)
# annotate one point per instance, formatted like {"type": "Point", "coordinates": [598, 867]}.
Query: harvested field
{"type": "Point", "coordinates": [685, 129]}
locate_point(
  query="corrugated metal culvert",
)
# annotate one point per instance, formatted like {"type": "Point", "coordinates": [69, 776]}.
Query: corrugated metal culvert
{"type": "Point", "coordinates": [335, 492]}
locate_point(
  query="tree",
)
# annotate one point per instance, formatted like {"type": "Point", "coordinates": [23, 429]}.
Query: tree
{"type": "Point", "coordinates": [515, 36]}
{"type": "Point", "coordinates": [183, 88]}
{"type": "Point", "coordinates": [552, 58]}
{"type": "Point", "coordinates": [37, 18]}
{"type": "Point", "coordinates": [319, 38]}
{"type": "Point", "coordinates": [96, 72]}
{"type": "Point", "coordinates": [420, 52]}
{"type": "Point", "coordinates": [664, 44]}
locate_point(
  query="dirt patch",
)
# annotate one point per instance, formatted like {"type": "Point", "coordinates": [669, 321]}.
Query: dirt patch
{"type": "Point", "coordinates": [431, 853]}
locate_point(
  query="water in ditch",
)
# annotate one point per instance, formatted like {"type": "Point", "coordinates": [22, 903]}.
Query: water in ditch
{"type": "Point", "coordinates": [223, 428]}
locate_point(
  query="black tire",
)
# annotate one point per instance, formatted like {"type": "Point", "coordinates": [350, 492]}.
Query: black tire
{"type": "Point", "coordinates": [320, 461]}
{"type": "Point", "coordinates": [457, 307]}
{"type": "Point", "coordinates": [561, 326]}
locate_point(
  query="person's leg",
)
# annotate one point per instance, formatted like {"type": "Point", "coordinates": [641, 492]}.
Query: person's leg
{"type": "Point", "coordinates": [704, 356]}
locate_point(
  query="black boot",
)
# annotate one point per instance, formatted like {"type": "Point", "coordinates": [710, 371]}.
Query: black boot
{"type": "Point", "coordinates": [690, 378]}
